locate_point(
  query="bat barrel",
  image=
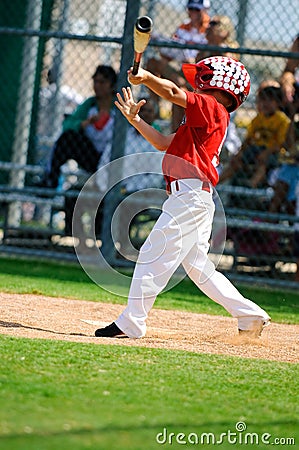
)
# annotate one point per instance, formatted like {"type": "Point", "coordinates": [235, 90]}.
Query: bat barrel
{"type": "Point", "coordinates": [144, 24]}
{"type": "Point", "coordinates": [142, 32]}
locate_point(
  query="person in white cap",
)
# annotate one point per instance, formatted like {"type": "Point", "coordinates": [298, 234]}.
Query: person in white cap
{"type": "Point", "coordinates": [193, 31]}
{"type": "Point", "coordinates": [166, 63]}
{"type": "Point", "coordinates": [182, 232]}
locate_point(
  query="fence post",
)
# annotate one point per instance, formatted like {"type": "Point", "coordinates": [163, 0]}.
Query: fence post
{"type": "Point", "coordinates": [242, 15]}
{"type": "Point", "coordinates": [120, 129]}
{"type": "Point", "coordinates": [24, 106]}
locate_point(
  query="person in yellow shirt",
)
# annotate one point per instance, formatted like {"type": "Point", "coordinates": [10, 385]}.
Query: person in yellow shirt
{"type": "Point", "coordinates": [265, 137]}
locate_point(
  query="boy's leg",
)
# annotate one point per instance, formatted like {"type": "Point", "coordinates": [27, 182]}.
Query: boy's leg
{"type": "Point", "coordinates": [171, 239]}
{"type": "Point", "coordinates": [159, 257]}
{"type": "Point", "coordinates": [218, 288]}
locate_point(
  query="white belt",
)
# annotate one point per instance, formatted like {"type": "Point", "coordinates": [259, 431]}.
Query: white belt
{"type": "Point", "coordinates": [189, 184]}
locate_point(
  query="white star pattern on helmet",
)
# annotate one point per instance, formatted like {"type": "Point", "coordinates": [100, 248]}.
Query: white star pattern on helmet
{"type": "Point", "coordinates": [220, 72]}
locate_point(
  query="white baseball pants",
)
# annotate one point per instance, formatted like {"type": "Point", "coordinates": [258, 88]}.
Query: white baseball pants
{"type": "Point", "coordinates": [181, 236]}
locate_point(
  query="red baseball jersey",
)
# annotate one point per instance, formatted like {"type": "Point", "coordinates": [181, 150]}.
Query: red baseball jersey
{"type": "Point", "coordinates": [195, 148]}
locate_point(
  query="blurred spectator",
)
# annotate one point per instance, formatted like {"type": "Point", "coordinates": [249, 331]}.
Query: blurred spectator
{"type": "Point", "coordinates": [148, 170]}
{"type": "Point", "coordinates": [231, 145]}
{"type": "Point", "coordinates": [52, 98]}
{"type": "Point", "coordinates": [265, 137]}
{"type": "Point", "coordinates": [55, 103]}
{"type": "Point", "coordinates": [290, 78]}
{"type": "Point", "coordinates": [286, 177]}
{"type": "Point", "coordinates": [193, 31]}
{"type": "Point", "coordinates": [220, 32]}
{"type": "Point", "coordinates": [135, 143]}
{"type": "Point", "coordinates": [167, 64]}
{"type": "Point", "coordinates": [88, 131]}
{"type": "Point", "coordinates": [296, 236]}
{"type": "Point", "coordinates": [285, 180]}
{"type": "Point", "coordinates": [138, 174]}
{"type": "Point", "coordinates": [269, 82]}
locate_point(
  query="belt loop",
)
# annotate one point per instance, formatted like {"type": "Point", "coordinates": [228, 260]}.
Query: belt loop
{"type": "Point", "coordinates": [177, 186]}
{"type": "Point", "coordinates": [206, 186]}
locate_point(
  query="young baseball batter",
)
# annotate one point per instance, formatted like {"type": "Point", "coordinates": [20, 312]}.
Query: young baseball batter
{"type": "Point", "coordinates": [182, 232]}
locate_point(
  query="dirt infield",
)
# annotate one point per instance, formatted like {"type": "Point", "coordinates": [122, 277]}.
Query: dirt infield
{"type": "Point", "coordinates": [73, 320]}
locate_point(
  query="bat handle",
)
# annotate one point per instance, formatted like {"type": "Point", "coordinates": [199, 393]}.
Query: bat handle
{"type": "Point", "coordinates": [136, 63]}
{"type": "Point", "coordinates": [135, 67]}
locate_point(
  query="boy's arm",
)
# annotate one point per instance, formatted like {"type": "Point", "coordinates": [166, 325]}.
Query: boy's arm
{"type": "Point", "coordinates": [129, 108]}
{"type": "Point", "coordinates": [161, 86]}
{"type": "Point", "coordinates": [153, 136]}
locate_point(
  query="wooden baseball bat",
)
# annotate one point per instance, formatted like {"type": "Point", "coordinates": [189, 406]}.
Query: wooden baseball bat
{"type": "Point", "coordinates": [142, 34]}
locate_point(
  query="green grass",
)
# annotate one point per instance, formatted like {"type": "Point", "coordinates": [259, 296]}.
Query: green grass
{"type": "Point", "coordinates": [70, 281]}
{"type": "Point", "coordinates": [58, 395]}
{"type": "Point", "coordinates": [68, 396]}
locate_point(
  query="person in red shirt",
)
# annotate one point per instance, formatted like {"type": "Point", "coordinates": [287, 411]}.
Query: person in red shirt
{"type": "Point", "coordinates": [182, 232]}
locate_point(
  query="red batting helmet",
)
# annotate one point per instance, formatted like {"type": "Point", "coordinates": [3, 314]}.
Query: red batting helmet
{"type": "Point", "coordinates": [220, 72]}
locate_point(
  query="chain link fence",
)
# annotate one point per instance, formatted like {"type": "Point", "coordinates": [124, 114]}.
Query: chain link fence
{"type": "Point", "coordinates": [50, 52]}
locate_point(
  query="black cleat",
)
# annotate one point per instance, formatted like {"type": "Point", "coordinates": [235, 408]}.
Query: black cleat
{"type": "Point", "coordinates": [111, 331]}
